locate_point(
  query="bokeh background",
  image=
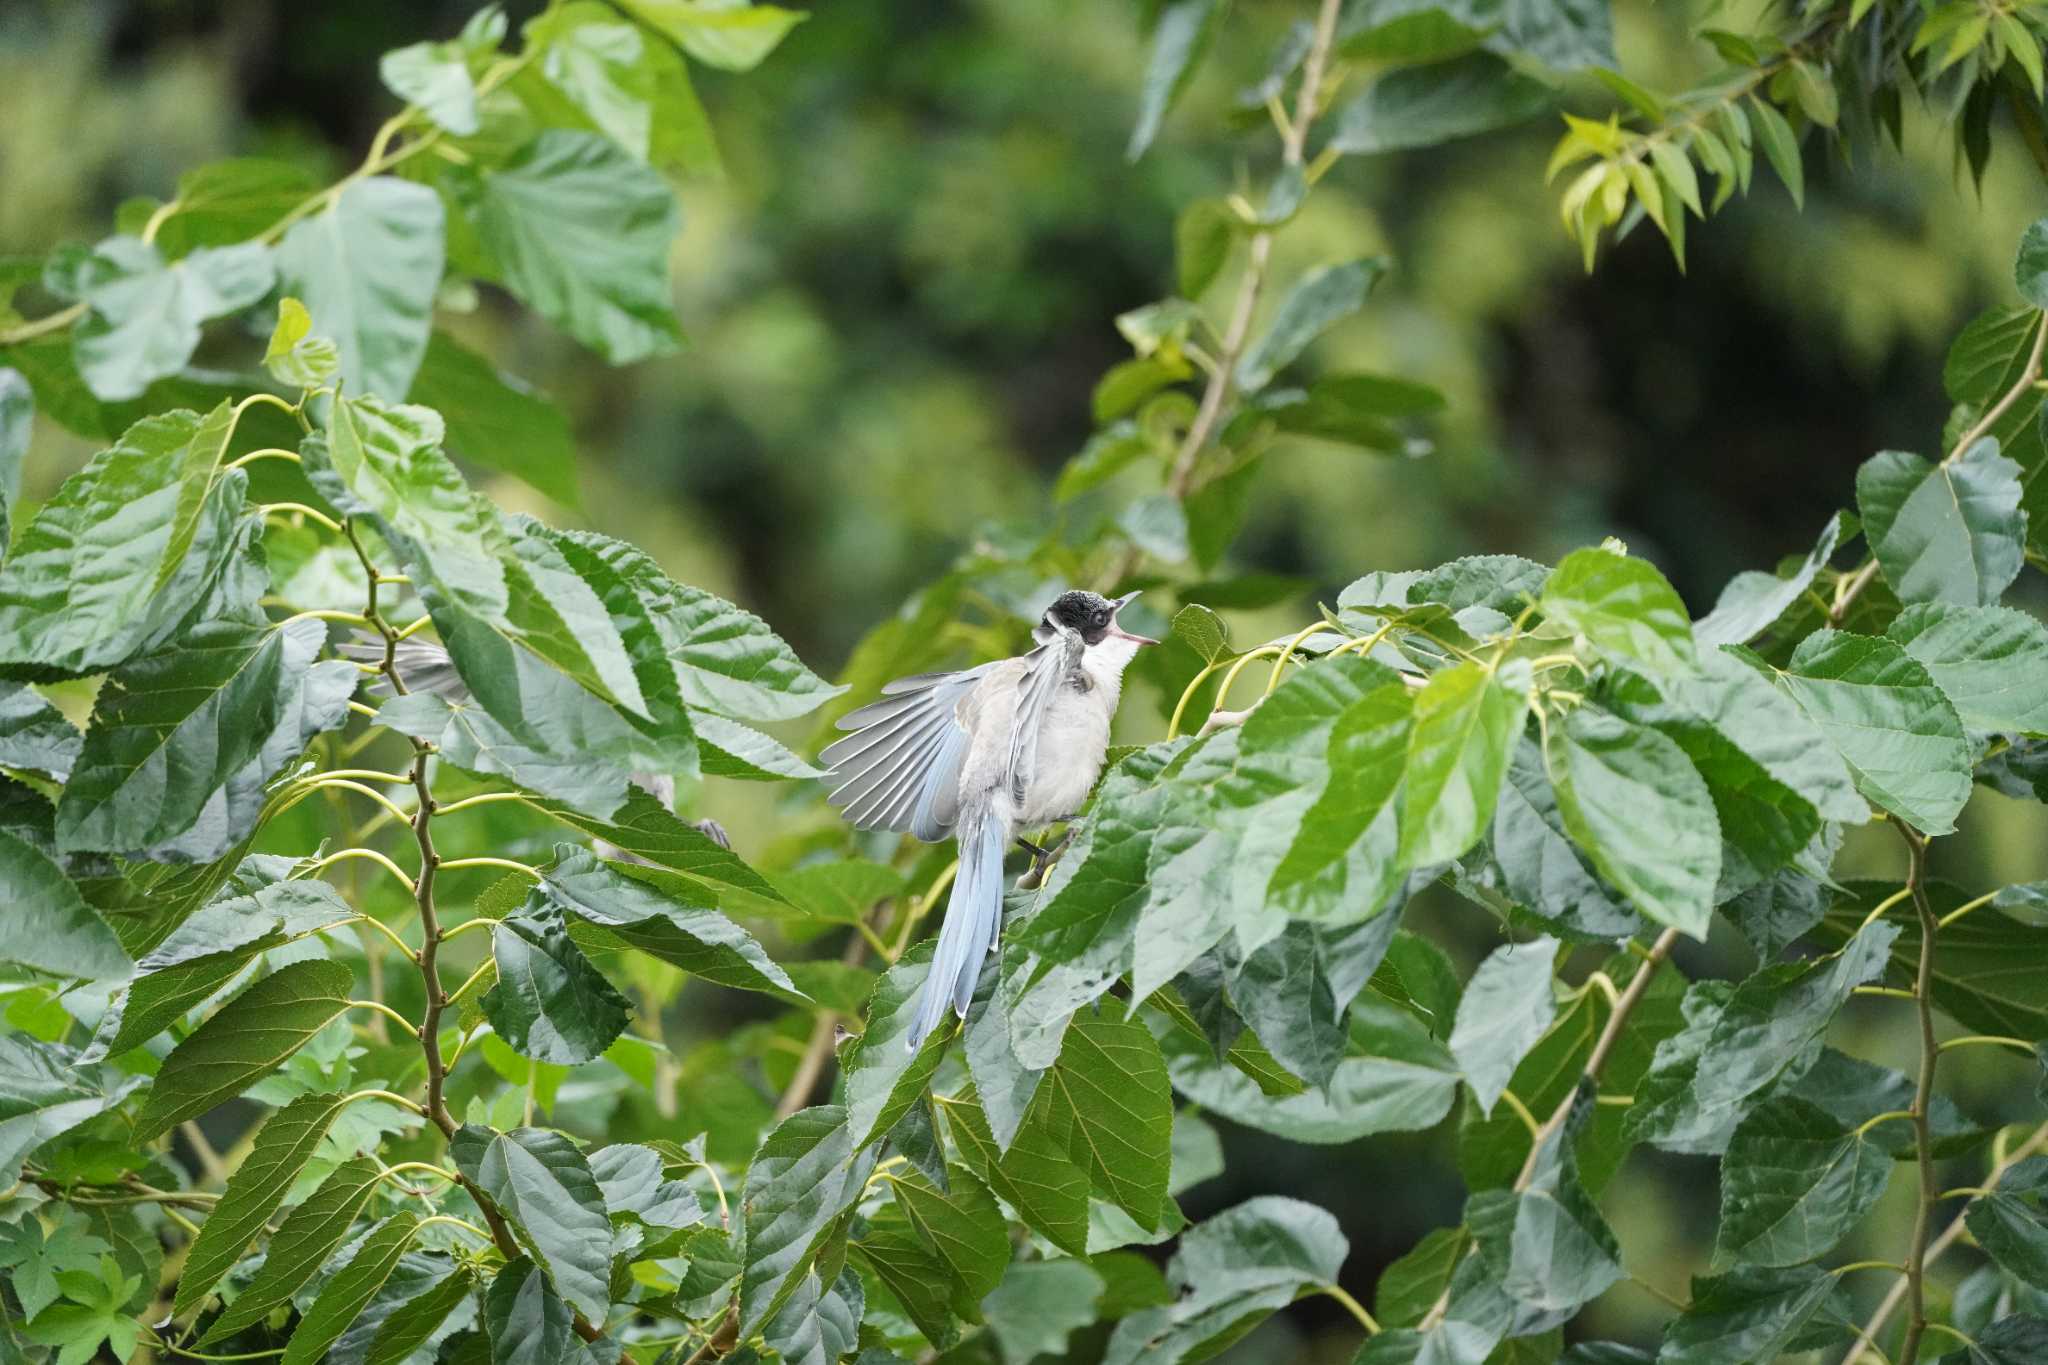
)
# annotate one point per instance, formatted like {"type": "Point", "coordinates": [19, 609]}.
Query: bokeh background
{"type": "Point", "coordinates": [901, 294]}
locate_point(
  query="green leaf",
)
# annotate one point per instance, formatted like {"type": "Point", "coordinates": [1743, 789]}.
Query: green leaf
{"type": "Point", "coordinates": [2030, 267]}
{"type": "Point", "coordinates": [1952, 532]}
{"type": "Point", "coordinates": [1539, 865]}
{"type": "Point", "coordinates": [1110, 1097]}
{"type": "Point", "coordinates": [1506, 1008]}
{"type": "Point", "coordinates": [1548, 1243]}
{"type": "Point", "coordinates": [647, 829]}
{"type": "Point", "coordinates": [1404, 34]}
{"type": "Point", "coordinates": [1354, 409]}
{"type": "Point", "coordinates": [435, 76]}
{"type": "Point", "coordinates": [183, 741]}
{"type": "Point", "coordinates": [1039, 1305]}
{"type": "Point", "coordinates": [728, 37]}
{"type": "Point", "coordinates": [302, 1244]}
{"type": "Point", "coordinates": [1230, 1273]}
{"type": "Point", "coordinates": [496, 421]}
{"type": "Point", "coordinates": [913, 1274]}
{"type": "Point", "coordinates": [1180, 36]}
{"type": "Point", "coordinates": [349, 1290]}
{"type": "Point", "coordinates": [1318, 301]}
{"type": "Point", "coordinates": [731, 661]}
{"type": "Point", "coordinates": [670, 919]}
{"type": "Point", "coordinates": [883, 1076]}
{"type": "Point", "coordinates": [17, 417]}
{"type": "Point", "coordinates": [1202, 238]}
{"type": "Point", "coordinates": [145, 313]}
{"type": "Point", "coordinates": [206, 951]}
{"type": "Point", "coordinates": [1746, 1315]}
{"type": "Point", "coordinates": [528, 1324]}
{"type": "Point", "coordinates": [1204, 632]}
{"type": "Point", "coordinates": [1990, 971]}
{"type": "Point", "coordinates": [1342, 862]}
{"type": "Point", "coordinates": [1777, 912]}
{"type": "Point", "coordinates": [727, 748]}
{"type": "Point", "coordinates": [35, 737]}
{"type": "Point", "coordinates": [2013, 1340]}
{"type": "Point", "coordinates": [1990, 662]}
{"type": "Point", "coordinates": [1034, 1176]}
{"type": "Point", "coordinates": [1157, 523]}
{"type": "Point", "coordinates": [95, 577]}
{"type": "Point", "coordinates": [1108, 453]}
{"type": "Point", "coordinates": [44, 1091]}
{"type": "Point", "coordinates": [1410, 1285]}
{"type": "Point", "coordinates": [631, 1178]}
{"type": "Point", "coordinates": [1624, 607]}
{"type": "Point", "coordinates": [1793, 1184]}
{"type": "Point", "coordinates": [282, 1147]}
{"type": "Point", "coordinates": [1394, 1078]}
{"type": "Point", "coordinates": [368, 267]}
{"type": "Point", "coordinates": [580, 232]}
{"type": "Point", "coordinates": [250, 1036]}
{"type": "Point", "coordinates": [1634, 803]}
{"type": "Point", "coordinates": [1883, 713]}
{"type": "Point", "coordinates": [1781, 145]}
{"type": "Point", "coordinates": [296, 358]}
{"type": "Point", "coordinates": [1467, 719]}
{"type": "Point", "coordinates": [821, 1323]}
{"type": "Point", "coordinates": [549, 1003]}
{"type": "Point", "coordinates": [230, 201]}
{"type": "Point", "coordinates": [1423, 106]}
{"type": "Point", "coordinates": [544, 1188]}
{"type": "Point", "coordinates": [48, 926]}
{"type": "Point", "coordinates": [963, 1225]}
{"type": "Point", "coordinates": [414, 1323]}
{"type": "Point", "coordinates": [805, 1175]}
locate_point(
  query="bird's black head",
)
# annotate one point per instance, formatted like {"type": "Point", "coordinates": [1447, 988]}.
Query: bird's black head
{"type": "Point", "coordinates": [1086, 613]}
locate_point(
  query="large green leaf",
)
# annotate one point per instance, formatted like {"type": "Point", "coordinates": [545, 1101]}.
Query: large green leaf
{"type": "Point", "coordinates": [183, 741]}
{"type": "Point", "coordinates": [1749, 1314]}
{"type": "Point", "coordinates": [48, 926]}
{"type": "Point", "coordinates": [1539, 866]}
{"type": "Point", "coordinates": [206, 951]}
{"type": "Point", "coordinates": [93, 579]}
{"type": "Point", "coordinates": [35, 737]}
{"type": "Point", "coordinates": [647, 829]}
{"type": "Point", "coordinates": [1794, 1181]}
{"type": "Point", "coordinates": [1110, 1097]}
{"type": "Point", "coordinates": [1318, 301]}
{"type": "Point", "coordinates": [45, 1090]}
{"type": "Point", "coordinates": [1883, 713]}
{"type": "Point", "coordinates": [1394, 1078]}
{"type": "Point", "coordinates": [1990, 970]}
{"type": "Point", "coordinates": [416, 1320]}
{"type": "Point", "coordinates": [580, 231]}
{"type": "Point", "coordinates": [2016, 1340]}
{"type": "Point", "coordinates": [436, 77]}
{"type": "Point", "coordinates": [1952, 532]}
{"type": "Point", "coordinates": [963, 1225]}
{"type": "Point", "coordinates": [145, 312]}
{"type": "Point", "coordinates": [1467, 719]}
{"type": "Point", "coordinates": [302, 1244]}
{"type": "Point", "coordinates": [670, 919]}
{"type": "Point", "coordinates": [1422, 106]}
{"type": "Point", "coordinates": [367, 268]}
{"type": "Point", "coordinates": [632, 1179]}
{"type": "Point", "coordinates": [1230, 1273]}
{"type": "Point", "coordinates": [549, 1003]}
{"type": "Point", "coordinates": [1507, 1006]}
{"type": "Point", "coordinates": [883, 1075]}
{"type": "Point", "coordinates": [1632, 800]}
{"type": "Point", "coordinates": [282, 1147]}
{"type": "Point", "coordinates": [1341, 864]}
{"type": "Point", "coordinates": [805, 1175]}
{"type": "Point", "coordinates": [820, 1325]}
{"type": "Point", "coordinates": [912, 1272]}
{"type": "Point", "coordinates": [1548, 1243]}
{"type": "Point", "coordinates": [495, 421]}
{"type": "Point", "coordinates": [1180, 35]}
{"type": "Point", "coordinates": [544, 1188]}
{"type": "Point", "coordinates": [1623, 607]}
{"type": "Point", "coordinates": [250, 1036]}
{"type": "Point", "coordinates": [225, 202]}
{"type": "Point", "coordinates": [1752, 601]}
{"type": "Point", "coordinates": [1991, 662]}
{"type": "Point", "coordinates": [1034, 1176]}
{"type": "Point", "coordinates": [2011, 1224]}
{"type": "Point", "coordinates": [1984, 363]}
{"type": "Point", "coordinates": [1039, 1305]}
{"type": "Point", "coordinates": [527, 1321]}
{"type": "Point", "coordinates": [349, 1290]}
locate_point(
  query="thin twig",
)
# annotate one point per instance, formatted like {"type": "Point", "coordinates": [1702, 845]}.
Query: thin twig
{"type": "Point", "coordinates": [823, 1029]}
{"type": "Point", "coordinates": [1923, 1097]}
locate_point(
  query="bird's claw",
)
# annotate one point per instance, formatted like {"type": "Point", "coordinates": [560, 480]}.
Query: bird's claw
{"type": "Point", "coordinates": [1042, 858]}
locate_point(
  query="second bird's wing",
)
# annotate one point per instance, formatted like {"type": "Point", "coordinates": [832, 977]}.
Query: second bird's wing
{"type": "Point", "coordinates": [900, 768]}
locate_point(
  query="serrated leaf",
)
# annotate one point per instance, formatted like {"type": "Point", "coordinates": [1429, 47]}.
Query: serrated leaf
{"type": "Point", "coordinates": [1623, 606]}
{"type": "Point", "coordinates": [1507, 1006]}
{"type": "Point", "coordinates": [44, 1091]}
{"type": "Point", "coordinates": [544, 1187]}
{"type": "Point", "coordinates": [282, 1147]}
{"type": "Point", "coordinates": [1990, 662]}
{"type": "Point", "coordinates": [367, 267]}
{"type": "Point", "coordinates": [244, 1042]}
{"type": "Point", "coordinates": [549, 1003]}
{"type": "Point", "coordinates": [1746, 1315]}
{"type": "Point", "coordinates": [580, 231]}
{"type": "Point", "coordinates": [647, 829]}
{"type": "Point", "coordinates": [1632, 800]}
{"type": "Point", "coordinates": [963, 1225]}
{"type": "Point", "coordinates": [48, 925]}
{"type": "Point", "coordinates": [1341, 864]}
{"type": "Point", "coordinates": [308, 1235]}
{"type": "Point", "coordinates": [1033, 1176]}
{"type": "Point", "coordinates": [1109, 1093]}
{"type": "Point", "coordinates": [1793, 1183]}
{"type": "Point", "coordinates": [349, 1290]}
{"type": "Point", "coordinates": [1883, 713]}
{"type": "Point", "coordinates": [733, 38]}
{"type": "Point", "coordinates": [670, 920]}
{"type": "Point", "coordinates": [631, 1179]}
{"type": "Point", "coordinates": [1466, 721]}
{"type": "Point", "coordinates": [146, 312]}
{"type": "Point", "coordinates": [1952, 532]}
{"type": "Point", "coordinates": [527, 1321]}
{"type": "Point", "coordinates": [296, 358]}
{"type": "Point", "coordinates": [805, 1175]}
{"type": "Point", "coordinates": [414, 1323]}
{"type": "Point", "coordinates": [1990, 970]}
{"type": "Point", "coordinates": [1548, 1243]}
{"type": "Point", "coordinates": [884, 1077]}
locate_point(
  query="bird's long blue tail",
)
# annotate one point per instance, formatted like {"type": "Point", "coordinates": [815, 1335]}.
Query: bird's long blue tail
{"type": "Point", "coordinates": [973, 914]}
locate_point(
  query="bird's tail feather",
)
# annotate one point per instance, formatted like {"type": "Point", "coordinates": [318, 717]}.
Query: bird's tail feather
{"type": "Point", "coordinates": [973, 914]}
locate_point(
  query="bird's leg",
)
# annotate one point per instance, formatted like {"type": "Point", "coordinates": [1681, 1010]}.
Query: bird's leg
{"type": "Point", "coordinates": [1042, 857]}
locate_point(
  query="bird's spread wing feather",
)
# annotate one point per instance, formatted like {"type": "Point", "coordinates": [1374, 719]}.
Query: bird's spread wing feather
{"type": "Point", "coordinates": [1046, 668]}
{"type": "Point", "coordinates": [900, 767]}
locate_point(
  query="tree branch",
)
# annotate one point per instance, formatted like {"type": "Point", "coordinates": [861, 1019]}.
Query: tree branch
{"type": "Point", "coordinates": [1923, 1097]}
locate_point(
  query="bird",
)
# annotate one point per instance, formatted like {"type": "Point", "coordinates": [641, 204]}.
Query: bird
{"type": "Point", "coordinates": [986, 754]}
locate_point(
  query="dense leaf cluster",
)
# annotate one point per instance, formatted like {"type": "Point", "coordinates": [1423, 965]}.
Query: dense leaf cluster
{"type": "Point", "coordinates": [419, 990]}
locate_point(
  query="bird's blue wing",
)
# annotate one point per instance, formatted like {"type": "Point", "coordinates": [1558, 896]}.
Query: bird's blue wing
{"type": "Point", "coordinates": [900, 766]}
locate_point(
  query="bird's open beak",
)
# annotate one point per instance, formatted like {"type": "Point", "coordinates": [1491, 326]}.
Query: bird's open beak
{"type": "Point", "coordinates": [1119, 632]}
